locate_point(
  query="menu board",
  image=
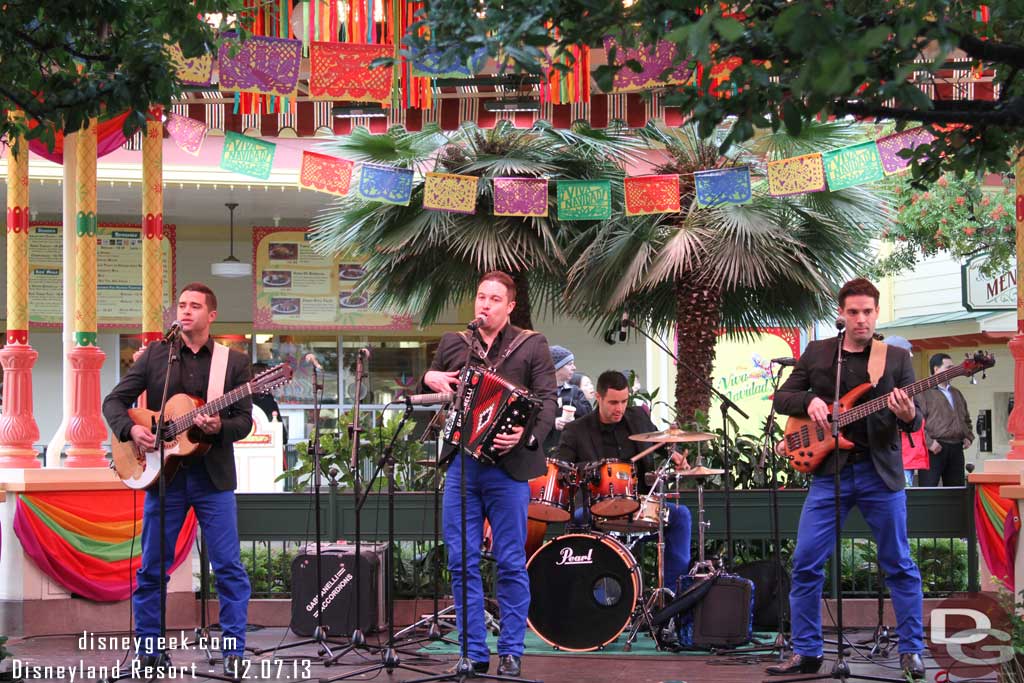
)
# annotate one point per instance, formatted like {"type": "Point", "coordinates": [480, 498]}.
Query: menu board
{"type": "Point", "coordinates": [295, 288]}
{"type": "Point", "coordinates": [118, 272]}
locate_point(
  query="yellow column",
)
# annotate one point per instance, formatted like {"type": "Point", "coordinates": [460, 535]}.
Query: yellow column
{"type": "Point", "coordinates": [18, 429]}
{"type": "Point", "coordinates": [86, 429]}
{"type": "Point", "coordinates": [153, 231]}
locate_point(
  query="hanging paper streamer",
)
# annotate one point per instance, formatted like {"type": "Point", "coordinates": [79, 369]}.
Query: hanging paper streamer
{"type": "Point", "coordinates": [722, 186]}
{"type": "Point", "coordinates": [889, 147]}
{"type": "Point", "coordinates": [325, 173]}
{"type": "Point", "coordinates": [584, 200]}
{"type": "Point", "coordinates": [261, 65]}
{"type": "Point", "coordinates": [450, 192]}
{"type": "Point", "coordinates": [385, 184]}
{"type": "Point", "coordinates": [521, 197]}
{"type": "Point", "coordinates": [654, 60]}
{"type": "Point", "coordinates": [341, 71]}
{"type": "Point", "coordinates": [427, 63]}
{"type": "Point", "coordinates": [192, 71]}
{"type": "Point", "coordinates": [652, 194]}
{"type": "Point", "coordinates": [853, 165]}
{"type": "Point", "coordinates": [248, 156]}
{"type": "Point", "coordinates": [796, 175]}
{"type": "Point", "coordinates": [188, 134]}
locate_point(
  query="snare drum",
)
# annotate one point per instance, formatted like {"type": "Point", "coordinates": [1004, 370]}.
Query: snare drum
{"type": "Point", "coordinates": [550, 493]}
{"type": "Point", "coordinates": [652, 508]}
{"type": "Point", "coordinates": [613, 491]}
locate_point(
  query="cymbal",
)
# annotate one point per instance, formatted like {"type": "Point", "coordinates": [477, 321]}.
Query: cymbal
{"type": "Point", "coordinates": [699, 471]}
{"type": "Point", "coordinates": [673, 435]}
{"type": "Point", "coordinates": [426, 463]}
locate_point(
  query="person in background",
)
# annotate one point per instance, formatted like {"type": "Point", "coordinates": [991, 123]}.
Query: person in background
{"type": "Point", "coordinates": [915, 450]}
{"type": "Point", "coordinates": [268, 404]}
{"type": "Point", "coordinates": [572, 403]}
{"type": "Point", "coordinates": [585, 384]}
{"type": "Point", "coordinates": [949, 432]}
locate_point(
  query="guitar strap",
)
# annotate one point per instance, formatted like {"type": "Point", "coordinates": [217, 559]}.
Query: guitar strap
{"type": "Point", "coordinates": [876, 361]}
{"type": "Point", "coordinates": [218, 372]}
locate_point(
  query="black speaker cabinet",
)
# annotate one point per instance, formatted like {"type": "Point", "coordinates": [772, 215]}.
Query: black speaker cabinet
{"type": "Point", "coordinates": [337, 589]}
{"type": "Point", "coordinates": [723, 617]}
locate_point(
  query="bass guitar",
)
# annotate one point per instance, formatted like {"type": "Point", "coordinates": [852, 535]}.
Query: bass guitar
{"type": "Point", "coordinates": [807, 445]}
{"type": "Point", "coordinates": [140, 470]}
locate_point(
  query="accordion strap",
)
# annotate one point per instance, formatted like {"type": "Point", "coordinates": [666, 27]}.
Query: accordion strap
{"type": "Point", "coordinates": [515, 344]}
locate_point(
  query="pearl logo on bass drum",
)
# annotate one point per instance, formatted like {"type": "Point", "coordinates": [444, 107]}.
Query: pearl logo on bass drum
{"type": "Point", "coordinates": [568, 557]}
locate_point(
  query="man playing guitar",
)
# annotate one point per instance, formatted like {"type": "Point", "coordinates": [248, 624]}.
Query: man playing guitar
{"type": "Point", "coordinates": [871, 477]}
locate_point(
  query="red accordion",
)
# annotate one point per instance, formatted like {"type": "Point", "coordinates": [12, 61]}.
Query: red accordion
{"type": "Point", "coordinates": [489, 405]}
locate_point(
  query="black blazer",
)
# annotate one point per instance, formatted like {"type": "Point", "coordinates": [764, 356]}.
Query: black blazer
{"type": "Point", "coordinates": [581, 440]}
{"type": "Point", "coordinates": [530, 367]}
{"type": "Point", "coordinates": [815, 376]}
{"type": "Point", "coordinates": [147, 374]}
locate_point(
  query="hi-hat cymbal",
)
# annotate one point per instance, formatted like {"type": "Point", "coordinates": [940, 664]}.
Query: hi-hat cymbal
{"type": "Point", "coordinates": [673, 435]}
{"type": "Point", "coordinates": [699, 471]}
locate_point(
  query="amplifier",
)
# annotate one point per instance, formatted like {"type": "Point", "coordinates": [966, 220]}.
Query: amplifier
{"type": "Point", "coordinates": [337, 589]}
{"type": "Point", "coordinates": [723, 618]}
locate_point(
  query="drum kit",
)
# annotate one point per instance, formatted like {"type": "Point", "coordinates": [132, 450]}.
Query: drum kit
{"type": "Point", "coordinates": [586, 586]}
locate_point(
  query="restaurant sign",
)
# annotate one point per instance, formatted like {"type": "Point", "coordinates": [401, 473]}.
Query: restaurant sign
{"type": "Point", "coordinates": [980, 292]}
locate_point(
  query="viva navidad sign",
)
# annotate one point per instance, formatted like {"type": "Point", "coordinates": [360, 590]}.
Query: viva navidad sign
{"type": "Point", "coordinates": [997, 292]}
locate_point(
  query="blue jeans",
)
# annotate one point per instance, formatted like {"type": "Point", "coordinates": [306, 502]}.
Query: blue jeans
{"type": "Point", "coordinates": [885, 511]}
{"type": "Point", "coordinates": [490, 493]}
{"type": "Point", "coordinates": [218, 519]}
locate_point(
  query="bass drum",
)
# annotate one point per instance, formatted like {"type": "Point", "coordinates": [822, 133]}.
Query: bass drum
{"type": "Point", "coordinates": [583, 589]}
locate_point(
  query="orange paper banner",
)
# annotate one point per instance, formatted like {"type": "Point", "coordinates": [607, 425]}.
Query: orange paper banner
{"type": "Point", "coordinates": [796, 175]}
{"type": "Point", "coordinates": [325, 173]}
{"type": "Point", "coordinates": [341, 71]}
{"type": "Point", "coordinates": [450, 192]}
{"type": "Point", "coordinates": [652, 194]}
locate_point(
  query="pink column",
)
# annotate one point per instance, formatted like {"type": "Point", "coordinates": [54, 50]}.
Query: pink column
{"type": "Point", "coordinates": [18, 429]}
{"type": "Point", "coordinates": [1015, 425]}
{"type": "Point", "coordinates": [86, 430]}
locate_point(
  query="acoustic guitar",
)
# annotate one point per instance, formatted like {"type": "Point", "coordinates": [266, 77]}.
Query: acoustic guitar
{"type": "Point", "coordinates": [807, 445]}
{"type": "Point", "coordinates": [140, 470]}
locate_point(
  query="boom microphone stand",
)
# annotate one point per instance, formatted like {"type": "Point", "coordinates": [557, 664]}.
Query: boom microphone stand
{"type": "Point", "coordinates": [726, 404]}
{"type": "Point", "coordinates": [320, 632]}
{"type": "Point", "coordinates": [841, 669]}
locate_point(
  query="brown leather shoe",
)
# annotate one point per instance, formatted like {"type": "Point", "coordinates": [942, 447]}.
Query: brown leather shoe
{"type": "Point", "coordinates": [796, 664]}
{"type": "Point", "coordinates": [912, 665]}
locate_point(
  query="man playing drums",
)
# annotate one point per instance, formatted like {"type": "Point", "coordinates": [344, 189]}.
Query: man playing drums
{"type": "Point", "coordinates": [603, 437]}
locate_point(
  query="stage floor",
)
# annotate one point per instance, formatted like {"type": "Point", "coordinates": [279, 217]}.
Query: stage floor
{"type": "Point", "coordinates": [39, 658]}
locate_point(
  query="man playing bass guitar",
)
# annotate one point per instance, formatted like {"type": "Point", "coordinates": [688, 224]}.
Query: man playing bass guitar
{"type": "Point", "coordinates": [871, 477]}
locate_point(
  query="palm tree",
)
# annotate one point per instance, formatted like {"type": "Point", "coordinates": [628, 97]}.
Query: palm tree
{"type": "Point", "coordinates": [774, 261]}
{"type": "Point", "coordinates": [424, 261]}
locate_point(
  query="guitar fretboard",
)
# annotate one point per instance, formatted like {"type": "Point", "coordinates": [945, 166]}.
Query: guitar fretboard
{"type": "Point", "coordinates": [183, 423]}
{"type": "Point", "coordinates": [874, 405]}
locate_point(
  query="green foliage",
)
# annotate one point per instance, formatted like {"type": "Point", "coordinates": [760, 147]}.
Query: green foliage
{"type": "Point", "coordinates": [65, 62]}
{"type": "Point", "coordinates": [336, 455]}
{"type": "Point", "coordinates": [955, 215]}
{"type": "Point", "coordinates": [786, 64]}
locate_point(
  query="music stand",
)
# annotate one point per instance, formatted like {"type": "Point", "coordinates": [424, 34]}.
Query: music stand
{"type": "Point", "coordinates": [840, 669]}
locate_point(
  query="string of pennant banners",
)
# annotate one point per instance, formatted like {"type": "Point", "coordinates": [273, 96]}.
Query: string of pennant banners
{"type": "Point", "coordinates": [832, 170]}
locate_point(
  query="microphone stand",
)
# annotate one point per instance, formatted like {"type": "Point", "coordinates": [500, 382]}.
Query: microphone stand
{"type": "Point", "coordinates": [726, 405]}
{"type": "Point", "coordinates": [841, 669]}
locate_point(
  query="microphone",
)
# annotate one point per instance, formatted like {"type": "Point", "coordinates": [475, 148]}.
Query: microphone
{"type": "Point", "coordinates": [476, 322]}
{"type": "Point", "coordinates": [623, 326]}
{"type": "Point", "coordinates": [311, 359]}
{"type": "Point", "coordinates": [173, 332]}
{"type": "Point", "coordinates": [786, 362]}
{"type": "Point", "coordinates": [429, 399]}
{"type": "Point", "coordinates": [840, 323]}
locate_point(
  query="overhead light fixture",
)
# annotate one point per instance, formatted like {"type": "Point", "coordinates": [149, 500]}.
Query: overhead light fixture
{"type": "Point", "coordinates": [513, 104]}
{"type": "Point", "coordinates": [358, 112]}
{"type": "Point", "coordinates": [231, 267]}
